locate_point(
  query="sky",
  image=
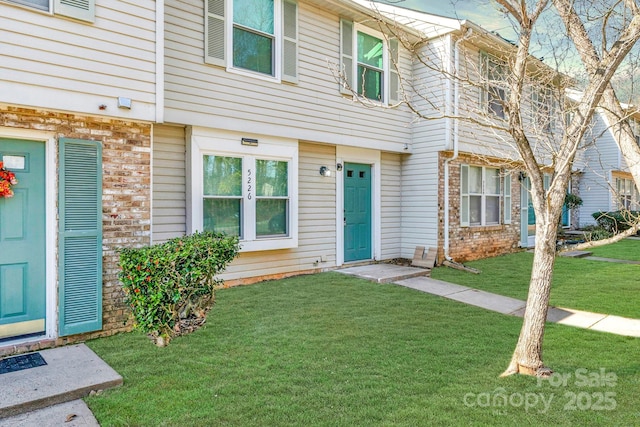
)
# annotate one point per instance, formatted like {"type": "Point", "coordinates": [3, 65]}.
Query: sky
{"type": "Point", "coordinates": [481, 12]}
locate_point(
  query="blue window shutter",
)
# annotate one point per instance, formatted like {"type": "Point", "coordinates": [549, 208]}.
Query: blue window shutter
{"type": "Point", "coordinates": [80, 236]}
{"type": "Point", "coordinates": [83, 10]}
{"type": "Point", "coordinates": [290, 41]}
{"type": "Point", "coordinates": [214, 29]}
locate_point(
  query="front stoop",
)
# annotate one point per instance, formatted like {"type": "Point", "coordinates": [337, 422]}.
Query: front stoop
{"type": "Point", "coordinates": [384, 273]}
{"type": "Point", "coordinates": [71, 373]}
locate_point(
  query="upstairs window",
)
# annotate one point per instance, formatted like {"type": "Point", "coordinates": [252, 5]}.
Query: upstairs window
{"type": "Point", "coordinates": [83, 10]}
{"type": "Point", "coordinates": [256, 36]}
{"type": "Point", "coordinates": [368, 63]}
{"type": "Point", "coordinates": [494, 89]}
{"type": "Point", "coordinates": [544, 109]}
{"type": "Point", "coordinates": [635, 127]}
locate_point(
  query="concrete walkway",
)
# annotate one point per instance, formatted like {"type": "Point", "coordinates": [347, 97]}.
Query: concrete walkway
{"type": "Point", "coordinates": [410, 277]}
{"type": "Point", "coordinates": [49, 395]}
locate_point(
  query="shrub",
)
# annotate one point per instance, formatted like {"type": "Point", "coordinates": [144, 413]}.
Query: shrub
{"type": "Point", "coordinates": [616, 221]}
{"type": "Point", "coordinates": [170, 286]}
{"type": "Point", "coordinates": [595, 232]}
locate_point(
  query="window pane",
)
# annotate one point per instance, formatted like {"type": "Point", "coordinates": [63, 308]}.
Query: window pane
{"type": "Point", "coordinates": [493, 210]}
{"type": "Point", "coordinates": [369, 83]}
{"type": "Point", "coordinates": [222, 176]}
{"type": "Point", "coordinates": [38, 4]}
{"type": "Point", "coordinates": [252, 51]}
{"type": "Point", "coordinates": [475, 210]}
{"type": "Point", "coordinates": [496, 99]}
{"type": "Point", "coordinates": [272, 217]}
{"type": "Point", "coordinates": [369, 50]}
{"type": "Point", "coordinates": [493, 181]}
{"type": "Point", "coordinates": [256, 14]}
{"type": "Point", "coordinates": [475, 180]}
{"type": "Point", "coordinates": [272, 179]}
{"type": "Point", "coordinates": [222, 216]}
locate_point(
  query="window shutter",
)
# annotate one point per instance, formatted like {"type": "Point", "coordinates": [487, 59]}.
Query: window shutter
{"type": "Point", "coordinates": [346, 56]}
{"type": "Point", "coordinates": [214, 29]}
{"type": "Point", "coordinates": [507, 198]}
{"type": "Point", "coordinates": [484, 80]}
{"type": "Point", "coordinates": [546, 179]}
{"type": "Point", "coordinates": [464, 196]}
{"type": "Point", "coordinates": [80, 236]}
{"type": "Point", "coordinates": [290, 41]}
{"type": "Point", "coordinates": [83, 10]}
{"type": "Point", "coordinates": [394, 76]}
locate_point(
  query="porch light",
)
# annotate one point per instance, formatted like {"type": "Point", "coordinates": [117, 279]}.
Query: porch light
{"type": "Point", "coordinates": [324, 171]}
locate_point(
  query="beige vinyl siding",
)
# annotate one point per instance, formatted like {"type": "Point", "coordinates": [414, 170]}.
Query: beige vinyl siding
{"type": "Point", "coordinates": [56, 63]}
{"type": "Point", "coordinates": [316, 222]}
{"type": "Point", "coordinates": [169, 189]}
{"type": "Point", "coordinates": [313, 109]}
{"type": "Point", "coordinates": [420, 169]}
{"type": "Point", "coordinates": [391, 205]}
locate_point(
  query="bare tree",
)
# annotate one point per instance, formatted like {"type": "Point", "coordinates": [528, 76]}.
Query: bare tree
{"type": "Point", "coordinates": [603, 35]}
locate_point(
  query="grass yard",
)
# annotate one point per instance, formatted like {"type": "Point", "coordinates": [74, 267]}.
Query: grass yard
{"type": "Point", "coordinates": [597, 286]}
{"type": "Point", "coordinates": [334, 350]}
{"type": "Point", "coordinates": [628, 249]}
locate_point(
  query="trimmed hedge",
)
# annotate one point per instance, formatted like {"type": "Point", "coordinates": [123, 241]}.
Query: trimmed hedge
{"type": "Point", "coordinates": [170, 286]}
{"type": "Point", "coordinates": [616, 221]}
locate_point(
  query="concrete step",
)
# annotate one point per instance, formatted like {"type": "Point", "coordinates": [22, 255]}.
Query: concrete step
{"type": "Point", "coordinates": [385, 273]}
{"type": "Point", "coordinates": [71, 373]}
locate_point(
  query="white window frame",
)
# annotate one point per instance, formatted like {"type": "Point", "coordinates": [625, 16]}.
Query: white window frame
{"type": "Point", "coordinates": [487, 63]}
{"type": "Point", "coordinates": [544, 108]}
{"type": "Point", "coordinates": [277, 44]}
{"type": "Point", "coordinates": [207, 142]}
{"type": "Point", "coordinates": [623, 200]}
{"type": "Point", "coordinates": [386, 63]}
{"type": "Point", "coordinates": [504, 198]}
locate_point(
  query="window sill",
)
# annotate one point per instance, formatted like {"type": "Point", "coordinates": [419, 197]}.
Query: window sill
{"type": "Point", "coordinates": [497, 227]}
{"type": "Point", "coordinates": [268, 244]}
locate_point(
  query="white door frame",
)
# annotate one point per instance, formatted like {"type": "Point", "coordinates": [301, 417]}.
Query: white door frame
{"type": "Point", "coordinates": [51, 268]}
{"type": "Point", "coordinates": [363, 156]}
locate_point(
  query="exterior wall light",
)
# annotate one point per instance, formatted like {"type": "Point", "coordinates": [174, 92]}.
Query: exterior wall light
{"type": "Point", "coordinates": [324, 171]}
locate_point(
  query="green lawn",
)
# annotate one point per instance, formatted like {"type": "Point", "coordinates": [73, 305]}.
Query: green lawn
{"type": "Point", "coordinates": [628, 249]}
{"type": "Point", "coordinates": [334, 350]}
{"type": "Point", "coordinates": [597, 286]}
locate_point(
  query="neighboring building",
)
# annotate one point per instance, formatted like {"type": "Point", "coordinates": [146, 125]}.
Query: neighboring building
{"type": "Point", "coordinates": [606, 184]}
{"type": "Point", "coordinates": [77, 103]}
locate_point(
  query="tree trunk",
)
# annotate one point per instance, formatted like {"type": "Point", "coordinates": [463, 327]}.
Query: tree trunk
{"type": "Point", "coordinates": [527, 357]}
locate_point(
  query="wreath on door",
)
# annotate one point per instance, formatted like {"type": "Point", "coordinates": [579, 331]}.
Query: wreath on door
{"type": "Point", "coordinates": [7, 179]}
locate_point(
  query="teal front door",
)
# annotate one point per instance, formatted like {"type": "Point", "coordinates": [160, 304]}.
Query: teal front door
{"type": "Point", "coordinates": [22, 241]}
{"type": "Point", "coordinates": [357, 212]}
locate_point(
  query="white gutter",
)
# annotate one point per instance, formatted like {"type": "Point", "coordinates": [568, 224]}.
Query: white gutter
{"type": "Point", "coordinates": [159, 61]}
{"type": "Point", "coordinates": [454, 139]}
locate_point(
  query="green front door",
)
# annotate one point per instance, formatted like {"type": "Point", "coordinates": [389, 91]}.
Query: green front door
{"type": "Point", "coordinates": [22, 241]}
{"type": "Point", "coordinates": [357, 212]}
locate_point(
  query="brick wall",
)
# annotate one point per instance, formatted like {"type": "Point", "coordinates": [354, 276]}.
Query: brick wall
{"type": "Point", "coordinates": [476, 242]}
{"type": "Point", "coordinates": [126, 196]}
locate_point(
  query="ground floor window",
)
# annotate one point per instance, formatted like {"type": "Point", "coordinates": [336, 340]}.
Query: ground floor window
{"type": "Point", "coordinates": [482, 190]}
{"type": "Point", "coordinates": [626, 194]}
{"type": "Point", "coordinates": [249, 192]}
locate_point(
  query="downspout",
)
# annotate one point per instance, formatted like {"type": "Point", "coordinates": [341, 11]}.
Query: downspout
{"type": "Point", "coordinates": [453, 139]}
{"type": "Point", "coordinates": [159, 61]}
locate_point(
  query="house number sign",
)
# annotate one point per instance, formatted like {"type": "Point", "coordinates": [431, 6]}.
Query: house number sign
{"type": "Point", "coordinates": [249, 184]}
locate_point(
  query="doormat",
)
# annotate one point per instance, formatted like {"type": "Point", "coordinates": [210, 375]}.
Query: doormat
{"type": "Point", "coordinates": [23, 361]}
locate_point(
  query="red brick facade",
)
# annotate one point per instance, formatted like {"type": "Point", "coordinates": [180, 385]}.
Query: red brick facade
{"type": "Point", "coordinates": [126, 196]}
{"type": "Point", "coordinates": [476, 242]}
